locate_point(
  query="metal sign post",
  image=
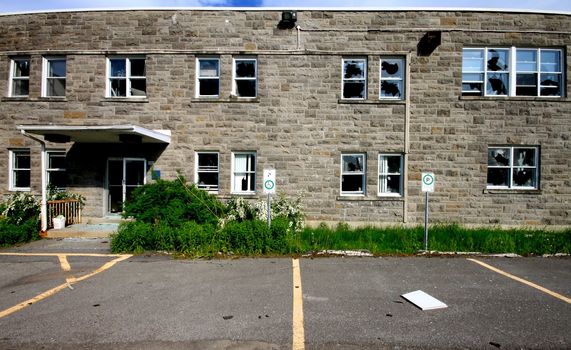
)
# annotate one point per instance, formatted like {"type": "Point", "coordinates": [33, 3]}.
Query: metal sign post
{"type": "Point", "coordinates": [269, 189]}
{"type": "Point", "coordinates": [427, 186]}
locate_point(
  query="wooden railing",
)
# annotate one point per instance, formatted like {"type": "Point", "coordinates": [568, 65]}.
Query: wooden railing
{"type": "Point", "coordinates": [70, 208]}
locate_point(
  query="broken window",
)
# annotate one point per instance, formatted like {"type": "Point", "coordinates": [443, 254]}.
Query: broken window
{"type": "Point", "coordinates": [20, 77]}
{"type": "Point", "coordinates": [390, 175]}
{"type": "Point", "coordinates": [513, 167]}
{"type": "Point", "coordinates": [127, 77]}
{"type": "Point", "coordinates": [355, 78]}
{"type": "Point", "coordinates": [208, 77]}
{"type": "Point", "coordinates": [245, 77]}
{"type": "Point", "coordinates": [56, 169]}
{"type": "Point", "coordinates": [353, 174]}
{"type": "Point", "coordinates": [207, 171]}
{"type": "Point", "coordinates": [54, 77]}
{"type": "Point", "coordinates": [392, 78]}
{"type": "Point", "coordinates": [244, 173]}
{"type": "Point", "coordinates": [487, 72]}
{"type": "Point", "coordinates": [20, 170]}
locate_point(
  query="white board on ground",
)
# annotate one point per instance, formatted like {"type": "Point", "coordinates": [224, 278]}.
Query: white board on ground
{"type": "Point", "coordinates": [424, 301]}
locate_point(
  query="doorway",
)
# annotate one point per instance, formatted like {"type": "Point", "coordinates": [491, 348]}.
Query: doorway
{"type": "Point", "coordinates": [124, 175]}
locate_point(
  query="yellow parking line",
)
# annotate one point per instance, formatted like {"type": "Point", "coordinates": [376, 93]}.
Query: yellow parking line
{"type": "Point", "coordinates": [298, 342]}
{"type": "Point", "coordinates": [64, 263]}
{"type": "Point", "coordinates": [526, 282]}
{"type": "Point", "coordinates": [69, 282]}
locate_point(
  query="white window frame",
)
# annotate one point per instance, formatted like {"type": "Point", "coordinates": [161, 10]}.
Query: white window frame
{"type": "Point", "coordinates": [235, 78]}
{"type": "Point", "coordinates": [21, 78]}
{"type": "Point", "coordinates": [348, 80]}
{"type": "Point", "coordinates": [511, 166]}
{"type": "Point", "coordinates": [393, 79]}
{"type": "Point", "coordinates": [362, 173]}
{"type": "Point", "coordinates": [384, 173]}
{"type": "Point", "coordinates": [247, 172]}
{"type": "Point", "coordinates": [513, 72]}
{"type": "Point", "coordinates": [215, 170]}
{"type": "Point", "coordinates": [199, 77]}
{"type": "Point", "coordinates": [49, 170]}
{"type": "Point", "coordinates": [128, 77]}
{"type": "Point", "coordinates": [12, 169]}
{"type": "Point", "coordinates": [46, 78]}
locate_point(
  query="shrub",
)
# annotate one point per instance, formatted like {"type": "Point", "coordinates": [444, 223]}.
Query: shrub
{"type": "Point", "coordinates": [173, 203]}
{"type": "Point", "coordinates": [20, 219]}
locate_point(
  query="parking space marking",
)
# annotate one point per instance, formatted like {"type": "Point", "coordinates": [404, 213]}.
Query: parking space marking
{"type": "Point", "coordinates": [298, 340]}
{"type": "Point", "coordinates": [64, 263]}
{"type": "Point", "coordinates": [69, 281]}
{"type": "Point", "coordinates": [524, 281]}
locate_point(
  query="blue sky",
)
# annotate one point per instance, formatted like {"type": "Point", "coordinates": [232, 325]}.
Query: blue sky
{"type": "Point", "coordinates": [40, 5]}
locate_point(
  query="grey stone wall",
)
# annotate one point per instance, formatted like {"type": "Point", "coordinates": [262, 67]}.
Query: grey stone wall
{"type": "Point", "coordinates": [298, 124]}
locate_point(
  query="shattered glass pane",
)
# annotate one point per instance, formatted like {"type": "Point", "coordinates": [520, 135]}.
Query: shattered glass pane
{"type": "Point", "coordinates": [352, 183]}
{"type": "Point", "coordinates": [118, 67]}
{"type": "Point", "coordinates": [354, 90]}
{"type": "Point", "coordinates": [393, 163]}
{"type": "Point", "coordinates": [209, 87]}
{"type": "Point", "coordinates": [246, 88]}
{"type": "Point", "coordinates": [497, 84]}
{"type": "Point", "coordinates": [498, 156]}
{"type": "Point", "coordinates": [393, 184]}
{"type": "Point", "coordinates": [391, 89]}
{"type": "Point", "coordinates": [354, 69]}
{"type": "Point", "coordinates": [524, 177]}
{"type": "Point", "coordinates": [550, 79]}
{"type": "Point", "coordinates": [392, 68]}
{"type": "Point", "coordinates": [524, 157]}
{"type": "Point", "coordinates": [352, 163]}
{"type": "Point", "coordinates": [246, 69]}
{"type": "Point", "coordinates": [498, 59]}
{"type": "Point", "coordinates": [498, 177]}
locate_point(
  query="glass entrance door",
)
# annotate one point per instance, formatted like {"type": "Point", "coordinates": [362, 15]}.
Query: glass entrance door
{"type": "Point", "coordinates": [123, 176]}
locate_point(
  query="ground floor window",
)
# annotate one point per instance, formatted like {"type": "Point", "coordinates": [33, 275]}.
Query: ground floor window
{"type": "Point", "coordinates": [56, 169]}
{"type": "Point", "coordinates": [390, 175]}
{"type": "Point", "coordinates": [244, 172]}
{"type": "Point", "coordinates": [207, 171]}
{"type": "Point", "coordinates": [513, 167]}
{"type": "Point", "coordinates": [20, 170]}
{"type": "Point", "coordinates": [353, 174]}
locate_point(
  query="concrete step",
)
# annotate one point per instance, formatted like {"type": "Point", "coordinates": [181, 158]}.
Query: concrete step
{"type": "Point", "coordinates": [88, 230]}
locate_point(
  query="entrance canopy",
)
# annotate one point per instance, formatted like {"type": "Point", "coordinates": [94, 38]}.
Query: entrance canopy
{"type": "Point", "coordinates": [97, 133]}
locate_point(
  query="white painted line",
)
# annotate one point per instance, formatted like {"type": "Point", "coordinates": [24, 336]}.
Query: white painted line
{"type": "Point", "coordinates": [298, 340]}
{"type": "Point", "coordinates": [521, 280]}
{"type": "Point", "coordinates": [424, 301]}
{"type": "Point", "coordinates": [64, 263]}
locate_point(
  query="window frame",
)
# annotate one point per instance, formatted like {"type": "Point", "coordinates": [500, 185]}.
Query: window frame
{"type": "Point", "coordinates": [198, 170]}
{"type": "Point", "coordinates": [511, 167]}
{"type": "Point", "coordinates": [128, 77]}
{"type": "Point", "coordinates": [46, 77]}
{"type": "Point", "coordinates": [251, 173]}
{"type": "Point", "coordinates": [13, 78]}
{"type": "Point", "coordinates": [362, 172]}
{"type": "Point", "coordinates": [386, 173]}
{"type": "Point", "coordinates": [348, 80]}
{"type": "Point", "coordinates": [49, 170]}
{"type": "Point", "coordinates": [199, 77]}
{"type": "Point", "coordinates": [392, 79]}
{"type": "Point", "coordinates": [513, 72]}
{"type": "Point", "coordinates": [235, 78]}
{"type": "Point", "coordinates": [12, 175]}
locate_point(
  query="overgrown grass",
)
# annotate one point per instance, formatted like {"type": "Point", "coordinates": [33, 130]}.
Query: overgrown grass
{"type": "Point", "coordinates": [254, 238]}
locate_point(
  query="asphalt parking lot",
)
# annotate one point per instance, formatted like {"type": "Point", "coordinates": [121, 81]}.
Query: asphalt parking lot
{"type": "Point", "coordinates": [72, 294]}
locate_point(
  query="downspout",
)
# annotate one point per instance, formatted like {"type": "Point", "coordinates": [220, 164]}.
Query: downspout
{"type": "Point", "coordinates": [298, 37]}
{"type": "Point", "coordinates": [44, 202]}
{"type": "Point", "coordinates": [406, 139]}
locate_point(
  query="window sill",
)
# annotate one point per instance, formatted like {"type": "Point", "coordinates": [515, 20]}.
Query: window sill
{"type": "Point", "coordinates": [225, 100]}
{"type": "Point", "coordinates": [241, 195]}
{"type": "Point", "coordinates": [53, 99]}
{"type": "Point", "coordinates": [514, 98]}
{"type": "Point", "coordinates": [372, 102]}
{"type": "Point", "coordinates": [511, 191]}
{"type": "Point", "coordinates": [16, 99]}
{"type": "Point", "coordinates": [126, 99]}
{"type": "Point", "coordinates": [370, 199]}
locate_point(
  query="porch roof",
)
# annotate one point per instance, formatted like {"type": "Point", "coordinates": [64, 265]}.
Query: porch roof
{"type": "Point", "coordinates": [97, 133]}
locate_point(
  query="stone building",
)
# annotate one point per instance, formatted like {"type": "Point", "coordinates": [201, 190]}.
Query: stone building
{"type": "Point", "coordinates": [348, 107]}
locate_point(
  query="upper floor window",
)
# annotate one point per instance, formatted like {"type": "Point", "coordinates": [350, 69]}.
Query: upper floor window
{"type": "Point", "coordinates": [392, 78]}
{"type": "Point", "coordinates": [207, 77]}
{"type": "Point", "coordinates": [20, 170]}
{"type": "Point", "coordinates": [20, 77]}
{"type": "Point", "coordinates": [513, 167]}
{"type": "Point", "coordinates": [244, 172]}
{"type": "Point", "coordinates": [354, 85]}
{"type": "Point", "coordinates": [56, 169]}
{"type": "Point", "coordinates": [512, 72]}
{"type": "Point", "coordinates": [390, 175]}
{"type": "Point", "coordinates": [245, 77]}
{"type": "Point", "coordinates": [54, 72]}
{"type": "Point", "coordinates": [353, 174]}
{"type": "Point", "coordinates": [126, 77]}
{"type": "Point", "coordinates": [207, 171]}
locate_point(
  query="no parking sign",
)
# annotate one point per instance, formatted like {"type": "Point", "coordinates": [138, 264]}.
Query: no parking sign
{"type": "Point", "coordinates": [269, 181]}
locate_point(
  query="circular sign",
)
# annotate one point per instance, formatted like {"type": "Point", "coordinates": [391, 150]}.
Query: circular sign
{"type": "Point", "coordinates": [428, 179]}
{"type": "Point", "coordinates": [269, 185]}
